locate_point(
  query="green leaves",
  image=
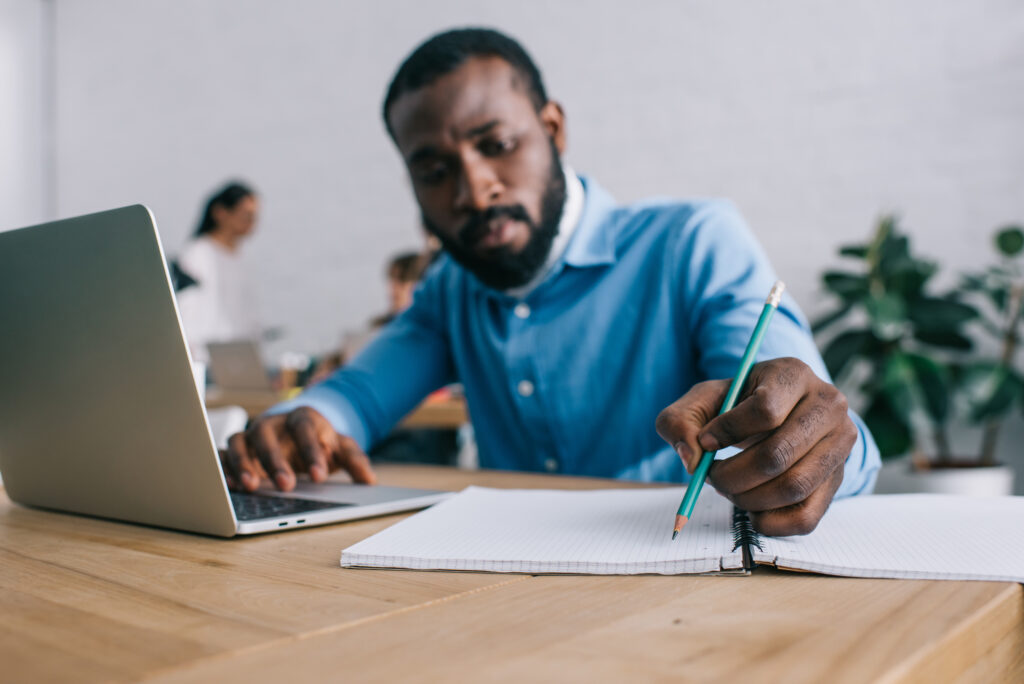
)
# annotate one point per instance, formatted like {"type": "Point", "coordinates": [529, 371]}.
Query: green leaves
{"type": "Point", "coordinates": [946, 339]}
{"type": "Point", "coordinates": [1008, 386]}
{"type": "Point", "coordinates": [891, 432]}
{"type": "Point", "coordinates": [912, 342]}
{"type": "Point", "coordinates": [830, 318]}
{"type": "Point", "coordinates": [850, 287]}
{"type": "Point", "coordinates": [855, 251]}
{"type": "Point", "coordinates": [887, 313]}
{"type": "Point", "coordinates": [1010, 240]}
{"type": "Point", "coordinates": [932, 313]}
{"type": "Point", "coordinates": [932, 381]}
{"type": "Point", "coordinates": [844, 348]}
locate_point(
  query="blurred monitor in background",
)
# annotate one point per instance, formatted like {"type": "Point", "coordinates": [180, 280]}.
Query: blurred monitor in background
{"type": "Point", "coordinates": [215, 297]}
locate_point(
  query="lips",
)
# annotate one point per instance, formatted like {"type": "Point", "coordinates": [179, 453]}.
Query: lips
{"type": "Point", "coordinates": [500, 231]}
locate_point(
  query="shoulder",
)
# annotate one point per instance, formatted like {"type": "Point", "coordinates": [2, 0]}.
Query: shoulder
{"type": "Point", "coordinates": [681, 224]}
{"type": "Point", "coordinates": [198, 254]}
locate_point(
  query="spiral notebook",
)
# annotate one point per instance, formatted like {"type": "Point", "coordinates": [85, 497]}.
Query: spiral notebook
{"type": "Point", "coordinates": [628, 531]}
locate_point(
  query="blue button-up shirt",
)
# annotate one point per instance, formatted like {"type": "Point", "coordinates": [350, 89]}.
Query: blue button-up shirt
{"type": "Point", "coordinates": [646, 301]}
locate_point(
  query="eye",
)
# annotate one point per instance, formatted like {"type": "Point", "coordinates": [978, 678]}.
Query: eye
{"type": "Point", "coordinates": [431, 174]}
{"type": "Point", "coordinates": [493, 147]}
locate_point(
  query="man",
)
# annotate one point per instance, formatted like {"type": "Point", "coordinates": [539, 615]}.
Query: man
{"type": "Point", "coordinates": [581, 330]}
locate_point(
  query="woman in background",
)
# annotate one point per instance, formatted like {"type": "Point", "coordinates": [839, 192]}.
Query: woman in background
{"type": "Point", "coordinates": [220, 306]}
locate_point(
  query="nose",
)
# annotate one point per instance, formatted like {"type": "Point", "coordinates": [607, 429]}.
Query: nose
{"type": "Point", "coordinates": [479, 186]}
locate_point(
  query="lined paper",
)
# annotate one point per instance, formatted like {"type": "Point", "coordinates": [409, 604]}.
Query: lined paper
{"type": "Point", "coordinates": [601, 532]}
{"type": "Point", "coordinates": [910, 536]}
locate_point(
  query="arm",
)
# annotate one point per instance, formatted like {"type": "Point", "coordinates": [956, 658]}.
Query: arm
{"type": "Point", "coordinates": [798, 444]}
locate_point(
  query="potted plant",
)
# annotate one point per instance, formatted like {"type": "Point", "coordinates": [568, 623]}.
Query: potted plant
{"type": "Point", "coordinates": [909, 356]}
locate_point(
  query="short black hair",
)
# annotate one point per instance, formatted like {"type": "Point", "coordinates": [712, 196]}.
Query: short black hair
{"type": "Point", "coordinates": [445, 52]}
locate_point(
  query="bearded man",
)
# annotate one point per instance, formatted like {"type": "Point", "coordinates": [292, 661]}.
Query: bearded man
{"type": "Point", "coordinates": [591, 338]}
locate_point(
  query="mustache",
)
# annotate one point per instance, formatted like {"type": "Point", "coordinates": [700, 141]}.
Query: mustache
{"type": "Point", "coordinates": [478, 225]}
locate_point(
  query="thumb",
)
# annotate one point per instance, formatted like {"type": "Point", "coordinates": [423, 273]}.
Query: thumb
{"type": "Point", "coordinates": [681, 422]}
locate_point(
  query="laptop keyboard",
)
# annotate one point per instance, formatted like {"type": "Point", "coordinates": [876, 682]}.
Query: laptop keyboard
{"type": "Point", "coordinates": [256, 506]}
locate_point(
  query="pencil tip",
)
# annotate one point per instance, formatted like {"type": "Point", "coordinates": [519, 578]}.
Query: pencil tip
{"type": "Point", "coordinates": [675, 533]}
{"type": "Point", "coordinates": [680, 521]}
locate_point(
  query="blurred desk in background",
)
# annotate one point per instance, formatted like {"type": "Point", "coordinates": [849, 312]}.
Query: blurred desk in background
{"type": "Point", "coordinates": [447, 412]}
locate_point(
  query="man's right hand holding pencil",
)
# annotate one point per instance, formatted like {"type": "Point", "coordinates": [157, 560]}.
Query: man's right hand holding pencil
{"type": "Point", "coordinates": [795, 433]}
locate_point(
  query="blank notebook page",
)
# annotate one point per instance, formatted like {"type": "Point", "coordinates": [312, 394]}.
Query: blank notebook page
{"type": "Point", "coordinates": [911, 536]}
{"type": "Point", "coordinates": [601, 532]}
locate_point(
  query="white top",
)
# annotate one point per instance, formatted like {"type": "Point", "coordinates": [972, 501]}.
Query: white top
{"type": "Point", "coordinates": [222, 306]}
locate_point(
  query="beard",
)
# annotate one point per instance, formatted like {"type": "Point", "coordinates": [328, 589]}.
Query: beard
{"type": "Point", "coordinates": [503, 268]}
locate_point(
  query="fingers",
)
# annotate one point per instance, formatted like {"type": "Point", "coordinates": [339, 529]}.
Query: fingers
{"type": "Point", "coordinates": [349, 456]}
{"type": "Point", "coordinates": [302, 424]}
{"type": "Point", "coordinates": [240, 467]}
{"type": "Point", "coordinates": [794, 484]}
{"type": "Point", "coordinates": [810, 422]}
{"type": "Point", "coordinates": [262, 440]}
{"type": "Point", "coordinates": [681, 422]}
{"type": "Point", "coordinates": [800, 518]}
{"type": "Point", "coordinates": [796, 435]}
{"type": "Point", "coordinates": [771, 392]}
{"type": "Point", "coordinates": [280, 445]}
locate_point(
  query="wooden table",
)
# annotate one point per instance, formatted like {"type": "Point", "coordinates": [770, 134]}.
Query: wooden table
{"type": "Point", "coordinates": [90, 600]}
{"type": "Point", "coordinates": [448, 413]}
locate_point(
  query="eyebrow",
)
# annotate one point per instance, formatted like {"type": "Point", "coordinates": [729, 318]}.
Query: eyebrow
{"type": "Point", "coordinates": [430, 151]}
{"type": "Point", "coordinates": [483, 128]}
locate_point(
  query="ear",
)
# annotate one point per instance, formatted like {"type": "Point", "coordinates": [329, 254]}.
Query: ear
{"type": "Point", "coordinates": [217, 212]}
{"type": "Point", "coordinates": [553, 119]}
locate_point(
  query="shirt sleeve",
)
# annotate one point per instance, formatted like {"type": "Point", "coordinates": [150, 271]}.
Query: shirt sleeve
{"type": "Point", "coordinates": [408, 360]}
{"type": "Point", "coordinates": [724, 286]}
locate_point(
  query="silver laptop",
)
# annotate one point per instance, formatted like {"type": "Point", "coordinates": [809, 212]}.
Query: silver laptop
{"type": "Point", "coordinates": [99, 410]}
{"type": "Point", "coordinates": [238, 365]}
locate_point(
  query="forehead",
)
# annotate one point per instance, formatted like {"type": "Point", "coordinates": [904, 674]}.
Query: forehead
{"type": "Point", "coordinates": [481, 91]}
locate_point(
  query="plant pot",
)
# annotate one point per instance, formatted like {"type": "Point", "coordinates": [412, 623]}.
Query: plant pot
{"type": "Point", "coordinates": [898, 476]}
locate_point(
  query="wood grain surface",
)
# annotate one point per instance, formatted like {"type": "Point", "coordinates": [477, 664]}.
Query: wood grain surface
{"type": "Point", "coordinates": [90, 600]}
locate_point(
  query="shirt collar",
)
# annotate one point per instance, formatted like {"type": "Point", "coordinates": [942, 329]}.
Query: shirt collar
{"type": "Point", "coordinates": [593, 244]}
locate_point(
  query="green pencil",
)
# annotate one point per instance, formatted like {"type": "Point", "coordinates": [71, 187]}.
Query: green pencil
{"type": "Point", "coordinates": [697, 481]}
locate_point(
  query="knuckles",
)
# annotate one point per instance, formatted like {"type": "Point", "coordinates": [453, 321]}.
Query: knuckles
{"type": "Point", "coordinates": [778, 457]}
{"type": "Point", "coordinates": [794, 488]}
{"type": "Point", "coordinates": [798, 520]}
{"type": "Point", "coordinates": [769, 409]}
{"type": "Point", "coordinates": [664, 424]}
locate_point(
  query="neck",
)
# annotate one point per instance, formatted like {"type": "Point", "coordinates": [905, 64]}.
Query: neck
{"type": "Point", "coordinates": [224, 239]}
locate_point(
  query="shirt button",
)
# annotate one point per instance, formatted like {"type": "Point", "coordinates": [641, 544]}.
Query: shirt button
{"type": "Point", "coordinates": [551, 464]}
{"type": "Point", "coordinates": [522, 310]}
{"type": "Point", "coordinates": [525, 388]}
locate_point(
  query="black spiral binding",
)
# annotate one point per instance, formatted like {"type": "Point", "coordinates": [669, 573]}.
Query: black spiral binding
{"type": "Point", "coordinates": [744, 536]}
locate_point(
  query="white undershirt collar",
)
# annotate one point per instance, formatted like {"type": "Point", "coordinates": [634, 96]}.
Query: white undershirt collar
{"type": "Point", "coordinates": [572, 209]}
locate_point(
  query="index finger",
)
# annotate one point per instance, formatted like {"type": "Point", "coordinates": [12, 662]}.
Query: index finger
{"type": "Point", "coordinates": [771, 394]}
{"type": "Point", "coordinates": [307, 440]}
{"type": "Point", "coordinates": [239, 465]}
